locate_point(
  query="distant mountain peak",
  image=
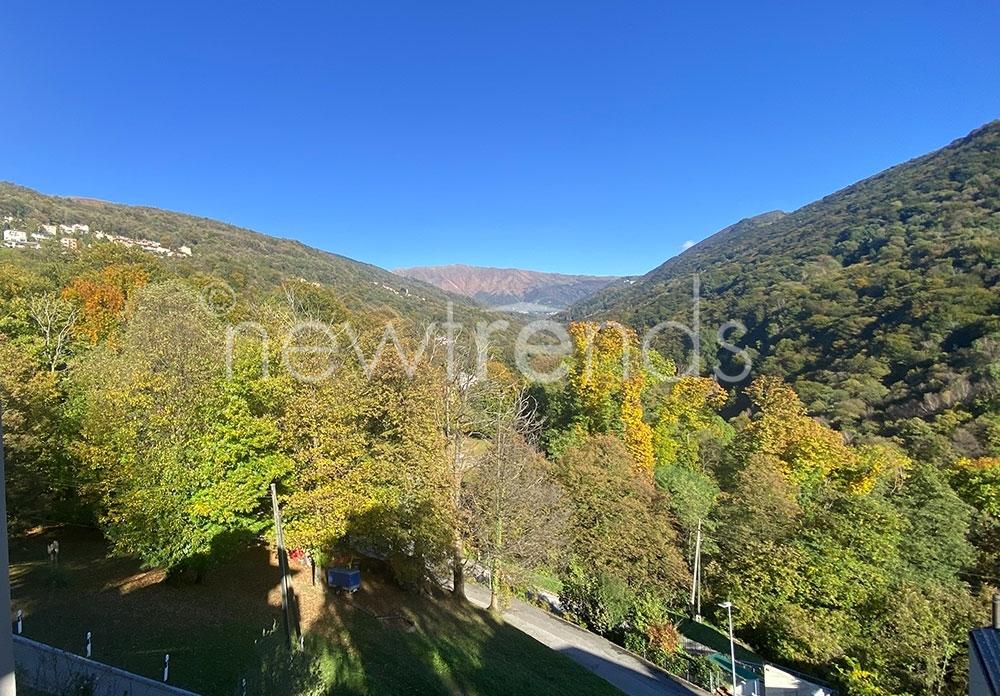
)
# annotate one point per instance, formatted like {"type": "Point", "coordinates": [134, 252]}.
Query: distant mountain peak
{"type": "Point", "coordinates": [512, 289]}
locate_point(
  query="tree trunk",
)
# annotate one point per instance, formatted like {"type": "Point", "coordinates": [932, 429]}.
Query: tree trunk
{"type": "Point", "coordinates": [495, 587]}
{"type": "Point", "coordinates": [457, 564]}
{"type": "Point", "coordinates": [457, 571]}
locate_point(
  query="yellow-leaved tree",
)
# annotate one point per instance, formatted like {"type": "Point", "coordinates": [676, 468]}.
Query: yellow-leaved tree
{"type": "Point", "coordinates": [369, 468]}
{"type": "Point", "coordinates": [782, 431]}
{"type": "Point", "coordinates": [685, 415]}
{"type": "Point", "coordinates": [606, 382]}
{"type": "Point", "coordinates": [808, 451]}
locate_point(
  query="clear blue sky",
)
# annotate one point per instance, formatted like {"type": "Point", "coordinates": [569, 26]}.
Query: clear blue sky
{"type": "Point", "coordinates": [588, 136]}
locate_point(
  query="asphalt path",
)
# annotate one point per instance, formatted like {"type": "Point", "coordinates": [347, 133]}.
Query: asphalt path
{"type": "Point", "coordinates": [628, 672]}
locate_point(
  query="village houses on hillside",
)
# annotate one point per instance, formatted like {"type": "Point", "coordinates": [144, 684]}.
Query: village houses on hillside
{"type": "Point", "coordinates": [72, 237]}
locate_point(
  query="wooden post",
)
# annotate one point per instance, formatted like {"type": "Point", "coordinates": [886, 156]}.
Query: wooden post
{"type": "Point", "coordinates": [279, 537]}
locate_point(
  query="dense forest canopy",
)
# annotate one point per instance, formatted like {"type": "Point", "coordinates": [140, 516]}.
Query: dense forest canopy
{"type": "Point", "coordinates": [879, 303]}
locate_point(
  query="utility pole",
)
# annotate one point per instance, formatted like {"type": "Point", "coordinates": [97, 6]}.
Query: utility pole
{"type": "Point", "coordinates": [282, 562]}
{"type": "Point", "coordinates": [7, 685]}
{"type": "Point", "coordinates": [728, 606]}
{"type": "Point", "coordinates": [696, 577]}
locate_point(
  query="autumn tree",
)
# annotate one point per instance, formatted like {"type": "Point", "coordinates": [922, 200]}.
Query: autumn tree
{"type": "Point", "coordinates": [621, 531]}
{"type": "Point", "coordinates": [818, 540]}
{"type": "Point", "coordinates": [41, 477]}
{"type": "Point", "coordinates": [515, 512]}
{"type": "Point", "coordinates": [369, 466]}
{"type": "Point", "coordinates": [604, 389]}
{"type": "Point", "coordinates": [808, 451]}
{"type": "Point", "coordinates": [103, 298]}
{"type": "Point", "coordinates": [689, 435]}
{"type": "Point", "coordinates": [179, 456]}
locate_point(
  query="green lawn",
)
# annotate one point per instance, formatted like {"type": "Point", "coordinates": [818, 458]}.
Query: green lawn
{"type": "Point", "coordinates": [380, 641]}
{"type": "Point", "coordinates": [546, 579]}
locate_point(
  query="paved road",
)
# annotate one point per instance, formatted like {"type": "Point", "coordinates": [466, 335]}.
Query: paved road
{"type": "Point", "coordinates": [602, 657]}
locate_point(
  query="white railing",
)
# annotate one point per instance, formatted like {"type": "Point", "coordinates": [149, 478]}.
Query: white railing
{"type": "Point", "coordinates": [54, 671]}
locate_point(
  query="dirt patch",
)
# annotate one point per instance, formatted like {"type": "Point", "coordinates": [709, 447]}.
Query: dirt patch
{"type": "Point", "coordinates": [397, 622]}
{"type": "Point", "coordinates": [138, 581]}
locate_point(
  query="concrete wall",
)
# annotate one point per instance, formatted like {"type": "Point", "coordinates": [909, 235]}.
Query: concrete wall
{"type": "Point", "coordinates": [778, 682]}
{"type": "Point", "coordinates": [54, 671]}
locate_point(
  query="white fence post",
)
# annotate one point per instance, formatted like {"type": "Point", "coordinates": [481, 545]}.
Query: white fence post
{"type": "Point", "coordinates": [49, 670]}
{"type": "Point", "coordinates": [20, 619]}
{"type": "Point", "coordinates": [166, 666]}
{"type": "Point", "coordinates": [88, 644]}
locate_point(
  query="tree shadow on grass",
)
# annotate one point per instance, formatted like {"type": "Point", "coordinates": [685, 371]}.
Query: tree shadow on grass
{"type": "Point", "coordinates": [136, 617]}
{"type": "Point", "coordinates": [228, 627]}
{"type": "Point", "coordinates": [425, 643]}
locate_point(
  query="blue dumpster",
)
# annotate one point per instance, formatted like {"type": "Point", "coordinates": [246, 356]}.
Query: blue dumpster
{"type": "Point", "coordinates": [344, 578]}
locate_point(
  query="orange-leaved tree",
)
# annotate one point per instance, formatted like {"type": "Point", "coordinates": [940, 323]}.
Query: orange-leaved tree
{"type": "Point", "coordinates": [102, 297]}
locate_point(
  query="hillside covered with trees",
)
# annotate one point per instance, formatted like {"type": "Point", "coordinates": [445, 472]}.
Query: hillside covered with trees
{"type": "Point", "coordinates": [878, 303]}
{"type": "Point", "coordinates": [245, 260]}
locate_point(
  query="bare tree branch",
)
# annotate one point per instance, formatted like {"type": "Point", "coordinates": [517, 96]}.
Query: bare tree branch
{"type": "Point", "coordinates": [55, 318]}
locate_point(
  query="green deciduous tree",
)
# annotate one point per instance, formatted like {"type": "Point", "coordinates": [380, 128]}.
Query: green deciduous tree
{"type": "Point", "coordinates": [179, 456]}
{"type": "Point", "coordinates": [621, 528]}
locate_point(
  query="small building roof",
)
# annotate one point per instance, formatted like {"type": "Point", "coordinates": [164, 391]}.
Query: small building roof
{"type": "Point", "coordinates": [716, 639]}
{"type": "Point", "coordinates": [985, 644]}
{"type": "Point", "coordinates": [742, 671]}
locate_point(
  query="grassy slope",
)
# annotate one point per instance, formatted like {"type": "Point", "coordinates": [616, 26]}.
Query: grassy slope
{"type": "Point", "coordinates": [429, 647]}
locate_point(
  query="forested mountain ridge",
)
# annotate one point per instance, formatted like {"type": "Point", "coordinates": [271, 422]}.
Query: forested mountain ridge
{"type": "Point", "coordinates": [878, 303]}
{"type": "Point", "coordinates": [608, 298]}
{"type": "Point", "coordinates": [499, 287]}
{"type": "Point", "coordinates": [245, 259]}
